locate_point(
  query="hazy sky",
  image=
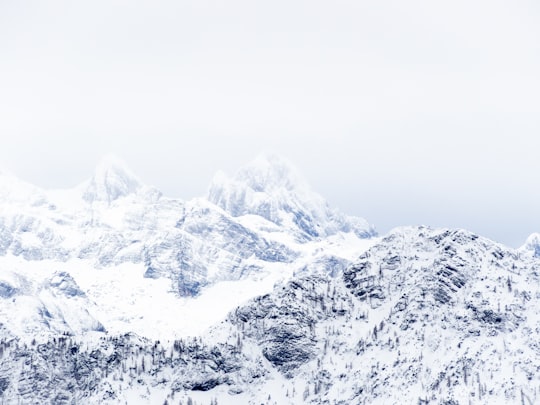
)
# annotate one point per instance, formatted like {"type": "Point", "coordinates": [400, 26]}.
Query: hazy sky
{"type": "Point", "coordinates": [403, 112]}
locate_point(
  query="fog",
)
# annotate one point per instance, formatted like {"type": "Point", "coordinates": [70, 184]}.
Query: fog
{"type": "Point", "coordinates": [404, 113]}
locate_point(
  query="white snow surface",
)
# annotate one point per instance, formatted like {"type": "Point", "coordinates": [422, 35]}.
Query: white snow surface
{"type": "Point", "coordinates": [532, 245]}
{"type": "Point", "coordinates": [423, 316]}
{"type": "Point", "coordinates": [125, 246]}
{"type": "Point", "coordinates": [259, 294]}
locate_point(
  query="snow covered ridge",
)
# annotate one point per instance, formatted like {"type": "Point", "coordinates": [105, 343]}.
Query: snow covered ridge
{"type": "Point", "coordinates": [113, 218]}
{"type": "Point", "coordinates": [134, 253]}
{"type": "Point", "coordinates": [423, 316]}
{"type": "Point", "coordinates": [270, 187]}
{"type": "Point", "coordinates": [532, 245]}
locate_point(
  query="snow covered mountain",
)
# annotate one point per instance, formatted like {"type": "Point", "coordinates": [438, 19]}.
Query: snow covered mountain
{"type": "Point", "coordinates": [111, 181]}
{"type": "Point", "coordinates": [532, 245]}
{"type": "Point", "coordinates": [271, 188]}
{"type": "Point", "coordinates": [258, 294]}
{"type": "Point", "coordinates": [135, 253]}
{"type": "Point", "coordinates": [423, 316]}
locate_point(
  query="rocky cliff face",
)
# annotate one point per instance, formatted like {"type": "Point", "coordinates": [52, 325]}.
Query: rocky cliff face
{"type": "Point", "coordinates": [424, 316]}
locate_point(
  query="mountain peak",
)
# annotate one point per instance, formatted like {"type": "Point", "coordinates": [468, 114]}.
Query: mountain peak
{"type": "Point", "coordinates": [260, 187]}
{"type": "Point", "coordinates": [271, 187]}
{"type": "Point", "coordinates": [532, 245]}
{"type": "Point", "coordinates": [112, 179]}
{"type": "Point", "coordinates": [268, 172]}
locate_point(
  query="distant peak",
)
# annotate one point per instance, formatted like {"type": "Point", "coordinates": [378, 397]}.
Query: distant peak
{"type": "Point", "coordinates": [112, 163]}
{"type": "Point", "coordinates": [262, 186]}
{"type": "Point", "coordinates": [267, 173]}
{"type": "Point", "coordinates": [270, 171]}
{"type": "Point", "coordinates": [112, 179]}
{"type": "Point", "coordinates": [532, 244]}
{"type": "Point", "coordinates": [534, 238]}
{"type": "Point", "coordinates": [271, 187]}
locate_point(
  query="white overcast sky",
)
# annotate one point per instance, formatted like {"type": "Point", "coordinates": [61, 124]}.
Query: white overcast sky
{"type": "Point", "coordinates": [403, 112]}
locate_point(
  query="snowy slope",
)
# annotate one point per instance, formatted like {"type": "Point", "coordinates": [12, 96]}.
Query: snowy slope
{"type": "Point", "coordinates": [139, 257]}
{"type": "Point", "coordinates": [423, 316]}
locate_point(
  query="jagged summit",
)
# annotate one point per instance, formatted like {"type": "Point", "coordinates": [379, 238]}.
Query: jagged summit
{"type": "Point", "coordinates": [262, 187]}
{"type": "Point", "coordinates": [270, 172]}
{"type": "Point", "coordinates": [532, 245]}
{"type": "Point", "coordinates": [112, 179]}
{"type": "Point", "coordinates": [272, 188]}
{"type": "Point", "coordinates": [263, 182]}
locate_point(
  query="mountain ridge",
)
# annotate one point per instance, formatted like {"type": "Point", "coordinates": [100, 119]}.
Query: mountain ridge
{"type": "Point", "coordinates": [112, 299]}
{"type": "Point", "coordinates": [270, 187]}
{"type": "Point", "coordinates": [180, 248]}
{"type": "Point", "coordinates": [425, 315]}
